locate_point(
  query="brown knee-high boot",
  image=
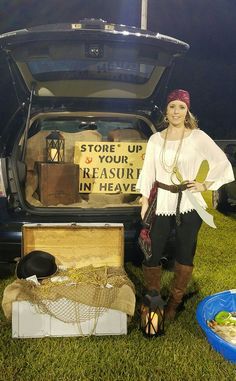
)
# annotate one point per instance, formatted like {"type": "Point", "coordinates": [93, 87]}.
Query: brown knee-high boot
{"type": "Point", "coordinates": [181, 279]}
{"type": "Point", "coordinates": [152, 277]}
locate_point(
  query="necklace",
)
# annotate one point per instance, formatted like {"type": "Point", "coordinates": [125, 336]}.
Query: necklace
{"type": "Point", "coordinates": [173, 167]}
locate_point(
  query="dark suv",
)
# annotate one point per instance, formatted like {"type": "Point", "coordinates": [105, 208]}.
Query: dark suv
{"type": "Point", "coordinates": [224, 199]}
{"type": "Point", "coordinates": [83, 100]}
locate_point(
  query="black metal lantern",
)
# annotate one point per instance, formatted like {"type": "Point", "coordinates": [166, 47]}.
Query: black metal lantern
{"type": "Point", "coordinates": [55, 147]}
{"type": "Point", "coordinates": [152, 313]}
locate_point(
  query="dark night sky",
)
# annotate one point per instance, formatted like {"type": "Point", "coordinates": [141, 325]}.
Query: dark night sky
{"type": "Point", "coordinates": [208, 70]}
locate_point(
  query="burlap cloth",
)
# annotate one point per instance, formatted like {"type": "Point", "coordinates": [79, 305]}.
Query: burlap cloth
{"type": "Point", "coordinates": [103, 287]}
{"type": "Point", "coordinates": [36, 152]}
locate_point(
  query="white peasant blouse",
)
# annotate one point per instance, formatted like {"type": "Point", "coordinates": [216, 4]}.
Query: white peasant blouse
{"type": "Point", "coordinates": [196, 147]}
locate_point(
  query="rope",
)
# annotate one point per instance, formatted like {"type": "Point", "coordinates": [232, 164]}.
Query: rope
{"type": "Point", "coordinates": [78, 295]}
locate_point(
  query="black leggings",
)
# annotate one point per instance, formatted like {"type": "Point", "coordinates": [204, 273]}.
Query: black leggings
{"type": "Point", "coordinates": [185, 237]}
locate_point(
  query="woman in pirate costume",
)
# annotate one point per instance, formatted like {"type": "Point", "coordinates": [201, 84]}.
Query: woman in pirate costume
{"type": "Point", "coordinates": [172, 161]}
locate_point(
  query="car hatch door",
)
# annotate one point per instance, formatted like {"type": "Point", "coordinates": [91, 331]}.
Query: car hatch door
{"type": "Point", "coordinates": [103, 62]}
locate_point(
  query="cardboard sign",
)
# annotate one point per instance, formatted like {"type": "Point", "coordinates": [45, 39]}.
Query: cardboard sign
{"type": "Point", "coordinates": [109, 167]}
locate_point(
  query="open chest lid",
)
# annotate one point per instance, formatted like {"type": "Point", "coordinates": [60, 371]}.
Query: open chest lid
{"type": "Point", "coordinates": [76, 245]}
{"type": "Point", "coordinates": [89, 59]}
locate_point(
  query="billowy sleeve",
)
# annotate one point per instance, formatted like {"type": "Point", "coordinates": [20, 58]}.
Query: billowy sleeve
{"type": "Point", "coordinates": [148, 172]}
{"type": "Point", "coordinates": [220, 168]}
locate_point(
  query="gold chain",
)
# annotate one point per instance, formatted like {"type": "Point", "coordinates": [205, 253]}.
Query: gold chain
{"type": "Point", "coordinates": [172, 168]}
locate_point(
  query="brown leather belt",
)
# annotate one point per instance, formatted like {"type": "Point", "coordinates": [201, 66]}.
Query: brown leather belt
{"type": "Point", "coordinates": [173, 188]}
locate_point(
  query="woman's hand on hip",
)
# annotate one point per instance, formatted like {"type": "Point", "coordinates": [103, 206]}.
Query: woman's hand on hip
{"type": "Point", "coordinates": [194, 186]}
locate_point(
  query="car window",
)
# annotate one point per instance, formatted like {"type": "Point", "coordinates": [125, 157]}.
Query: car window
{"type": "Point", "coordinates": [130, 63]}
{"type": "Point", "coordinates": [128, 128]}
{"type": "Point", "coordinates": [123, 71]}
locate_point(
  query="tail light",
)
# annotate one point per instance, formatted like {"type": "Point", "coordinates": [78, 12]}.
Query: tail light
{"type": "Point", "coordinates": [2, 187]}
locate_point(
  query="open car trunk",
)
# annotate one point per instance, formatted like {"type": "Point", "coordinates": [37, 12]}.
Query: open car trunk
{"type": "Point", "coordinates": [99, 163]}
{"type": "Point", "coordinates": [95, 85]}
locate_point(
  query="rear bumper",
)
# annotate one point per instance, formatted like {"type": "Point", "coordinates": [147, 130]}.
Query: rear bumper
{"type": "Point", "coordinates": [10, 244]}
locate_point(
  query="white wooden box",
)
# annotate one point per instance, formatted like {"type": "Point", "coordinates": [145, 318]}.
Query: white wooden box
{"type": "Point", "coordinates": [27, 322]}
{"type": "Point", "coordinates": [73, 245]}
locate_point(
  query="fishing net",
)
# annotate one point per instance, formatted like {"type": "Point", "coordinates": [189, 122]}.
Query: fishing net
{"type": "Point", "coordinates": [78, 295]}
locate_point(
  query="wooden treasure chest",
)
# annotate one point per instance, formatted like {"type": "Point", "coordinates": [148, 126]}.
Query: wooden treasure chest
{"type": "Point", "coordinates": [93, 292]}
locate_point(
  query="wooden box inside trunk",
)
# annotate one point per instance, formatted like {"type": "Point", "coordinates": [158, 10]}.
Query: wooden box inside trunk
{"type": "Point", "coordinates": [58, 183]}
{"type": "Point", "coordinates": [77, 244]}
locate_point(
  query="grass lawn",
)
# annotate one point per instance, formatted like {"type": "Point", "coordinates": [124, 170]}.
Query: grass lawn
{"type": "Point", "coordinates": [182, 354]}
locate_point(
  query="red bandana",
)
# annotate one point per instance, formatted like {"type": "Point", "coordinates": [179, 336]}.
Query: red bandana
{"type": "Point", "coordinates": [180, 95]}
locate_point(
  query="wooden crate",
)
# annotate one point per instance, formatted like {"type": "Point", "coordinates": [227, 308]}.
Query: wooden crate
{"type": "Point", "coordinates": [58, 183]}
{"type": "Point", "coordinates": [77, 244]}
{"type": "Point", "coordinates": [73, 245]}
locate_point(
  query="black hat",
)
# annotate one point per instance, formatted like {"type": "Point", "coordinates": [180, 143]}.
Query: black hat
{"type": "Point", "coordinates": [39, 263]}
